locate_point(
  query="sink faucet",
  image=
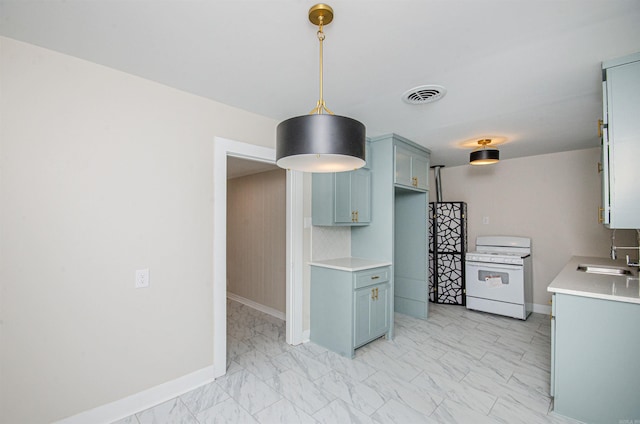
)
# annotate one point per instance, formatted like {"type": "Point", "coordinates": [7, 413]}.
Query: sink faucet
{"type": "Point", "coordinates": [615, 248]}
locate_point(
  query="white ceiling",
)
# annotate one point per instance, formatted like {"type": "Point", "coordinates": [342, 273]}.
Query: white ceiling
{"type": "Point", "coordinates": [526, 70]}
{"type": "Point", "coordinates": [237, 167]}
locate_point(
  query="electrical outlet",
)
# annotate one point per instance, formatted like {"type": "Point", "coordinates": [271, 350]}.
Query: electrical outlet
{"type": "Point", "coordinates": [142, 278]}
{"type": "Point", "coordinates": [485, 220]}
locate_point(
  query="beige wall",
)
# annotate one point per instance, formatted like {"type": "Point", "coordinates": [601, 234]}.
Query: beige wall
{"type": "Point", "coordinates": [256, 242]}
{"type": "Point", "coordinates": [102, 173]}
{"type": "Point", "coordinates": [551, 198]}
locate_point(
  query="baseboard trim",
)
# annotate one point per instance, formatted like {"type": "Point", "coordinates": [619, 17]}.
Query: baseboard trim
{"type": "Point", "coordinates": [542, 309]}
{"type": "Point", "coordinates": [145, 399]}
{"type": "Point", "coordinates": [255, 305]}
{"type": "Point", "coordinates": [306, 334]}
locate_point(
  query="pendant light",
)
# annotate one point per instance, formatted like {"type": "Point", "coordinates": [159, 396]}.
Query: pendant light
{"type": "Point", "coordinates": [320, 141]}
{"type": "Point", "coordinates": [483, 155]}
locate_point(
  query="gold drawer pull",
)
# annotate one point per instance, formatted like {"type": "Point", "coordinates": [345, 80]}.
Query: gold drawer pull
{"type": "Point", "coordinates": [600, 217]}
{"type": "Point", "coordinates": [374, 294]}
{"type": "Point", "coordinates": [600, 122]}
{"type": "Point", "coordinates": [375, 277]}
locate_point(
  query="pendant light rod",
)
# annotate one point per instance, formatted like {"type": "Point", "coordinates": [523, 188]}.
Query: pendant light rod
{"type": "Point", "coordinates": [321, 15]}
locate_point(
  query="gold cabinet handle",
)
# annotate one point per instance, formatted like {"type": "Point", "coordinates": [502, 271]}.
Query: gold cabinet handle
{"type": "Point", "coordinates": [357, 217]}
{"type": "Point", "coordinates": [414, 181]}
{"type": "Point", "coordinates": [353, 216]}
{"type": "Point", "coordinates": [375, 277]}
{"type": "Point", "coordinates": [600, 122]}
{"type": "Point", "coordinates": [599, 167]}
{"type": "Point", "coordinates": [600, 215]}
{"type": "Point", "coordinates": [373, 294]}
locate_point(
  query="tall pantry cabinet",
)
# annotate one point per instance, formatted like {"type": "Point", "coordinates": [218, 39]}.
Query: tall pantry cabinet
{"type": "Point", "coordinates": [398, 229]}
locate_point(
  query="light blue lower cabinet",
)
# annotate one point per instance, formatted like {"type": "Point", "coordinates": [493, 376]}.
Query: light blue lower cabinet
{"type": "Point", "coordinates": [596, 359]}
{"type": "Point", "coordinates": [350, 308]}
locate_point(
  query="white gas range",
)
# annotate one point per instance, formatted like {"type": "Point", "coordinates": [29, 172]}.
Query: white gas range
{"type": "Point", "coordinates": [499, 276]}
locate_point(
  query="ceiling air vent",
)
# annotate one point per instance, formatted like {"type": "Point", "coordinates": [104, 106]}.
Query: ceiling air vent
{"type": "Point", "coordinates": [424, 94]}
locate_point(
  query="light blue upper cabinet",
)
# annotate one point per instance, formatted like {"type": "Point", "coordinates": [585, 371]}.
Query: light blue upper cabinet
{"type": "Point", "coordinates": [341, 198]}
{"type": "Point", "coordinates": [411, 168]}
{"type": "Point", "coordinates": [621, 143]}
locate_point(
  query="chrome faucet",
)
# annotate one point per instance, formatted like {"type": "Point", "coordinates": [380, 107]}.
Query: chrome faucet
{"type": "Point", "coordinates": [615, 248]}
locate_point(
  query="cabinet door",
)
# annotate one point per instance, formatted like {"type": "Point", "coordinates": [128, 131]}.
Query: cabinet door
{"type": "Point", "coordinates": [342, 191]}
{"type": "Point", "coordinates": [402, 166]}
{"type": "Point", "coordinates": [362, 300]}
{"type": "Point", "coordinates": [420, 172]}
{"type": "Point", "coordinates": [623, 130]}
{"type": "Point", "coordinates": [603, 213]}
{"type": "Point", "coordinates": [380, 310]}
{"type": "Point", "coordinates": [361, 195]}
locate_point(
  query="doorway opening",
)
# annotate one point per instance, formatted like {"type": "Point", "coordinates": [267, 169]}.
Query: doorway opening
{"type": "Point", "coordinates": [224, 148]}
{"type": "Point", "coordinates": [256, 199]}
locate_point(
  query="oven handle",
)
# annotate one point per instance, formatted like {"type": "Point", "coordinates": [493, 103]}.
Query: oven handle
{"type": "Point", "coordinates": [493, 265]}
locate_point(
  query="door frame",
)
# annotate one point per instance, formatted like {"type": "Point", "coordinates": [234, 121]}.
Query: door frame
{"type": "Point", "coordinates": [222, 148]}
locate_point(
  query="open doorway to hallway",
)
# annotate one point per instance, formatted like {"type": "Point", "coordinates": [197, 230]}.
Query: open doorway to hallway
{"type": "Point", "coordinates": [256, 256]}
{"type": "Point", "coordinates": [224, 148]}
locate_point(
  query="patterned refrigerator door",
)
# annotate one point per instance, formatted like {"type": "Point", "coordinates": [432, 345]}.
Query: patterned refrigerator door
{"type": "Point", "coordinates": [447, 248]}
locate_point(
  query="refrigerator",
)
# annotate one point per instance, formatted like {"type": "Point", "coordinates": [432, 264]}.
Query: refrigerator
{"type": "Point", "coordinates": [447, 249]}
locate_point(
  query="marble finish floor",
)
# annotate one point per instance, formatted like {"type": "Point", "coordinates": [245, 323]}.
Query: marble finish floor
{"type": "Point", "coordinates": [459, 366]}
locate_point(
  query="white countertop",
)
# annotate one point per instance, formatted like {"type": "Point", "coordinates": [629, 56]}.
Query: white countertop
{"type": "Point", "coordinates": [350, 264]}
{"type": "Point", "coordinates": [609, 287]}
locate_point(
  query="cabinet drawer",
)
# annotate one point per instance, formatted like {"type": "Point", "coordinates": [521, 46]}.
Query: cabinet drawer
{"type": "Point", "coordinates": [372, 276]}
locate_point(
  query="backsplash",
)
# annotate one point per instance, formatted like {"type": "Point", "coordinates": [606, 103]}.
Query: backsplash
{"type": "Point", "coordinates": [330, 242]}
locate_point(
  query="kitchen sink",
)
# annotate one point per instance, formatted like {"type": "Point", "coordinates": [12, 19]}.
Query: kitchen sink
{"type": "Point", "coordinates": [604, 269]}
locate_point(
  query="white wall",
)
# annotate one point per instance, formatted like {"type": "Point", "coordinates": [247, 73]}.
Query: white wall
{"type": "Point", "coordinates": [256, 238]}
{"type": "Point", "coordinates": [551, 198]}
{"type": "Point", "coordinates": [102, 173]}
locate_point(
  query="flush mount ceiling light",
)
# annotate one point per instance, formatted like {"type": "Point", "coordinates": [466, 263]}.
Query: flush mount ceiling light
{"type": "Point", "coordinates": [320, 141]}
{"type": "Point", "coordinates": [483, 155]}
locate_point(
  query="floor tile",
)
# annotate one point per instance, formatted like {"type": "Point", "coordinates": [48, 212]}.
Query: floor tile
{"type": "Point", "coordinates": [354, 369]}
{"type": "Point", "coordinates": [259, 364]}
{"type": "Point", "coordinates": [170, 412]}
{"type": "Point", "coordinates": [359, 395]}
{"type": "Point", "coordinates": [283, 412]}
{"type": "Point", "coordinates": [226, 412]}
{"type": "Point", "coordinates": [506, 411]}
{"type": "Point", "coordinates": [302, 364]}
{"type": "Point", "coordinates": [382, 362]}
{"type": "Point", "coordinates": [449, 412]}
{"type": "Point", "coordinates": [300, 391]}
{"type": "Point", "coordinates": [341, 412]}
{"type": "Point", "coordinates": [249, 391]}
{"type": "Point", "coordinates": [391, 387]}
{"type": "Point", "coordinates": [471, 398]}
{"type": "Point", "coordinates": [267, 345]}
{"type": "Point", "coordinates": [236, 347]}
{"type": "Point", "coordinates": [394, 412]}
{"type": "Point", "coordinates": [204, 397]}
{"type": "Point", "coordinates": [310, 349]}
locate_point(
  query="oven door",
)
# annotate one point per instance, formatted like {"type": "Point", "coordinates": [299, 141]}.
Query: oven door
{"type": "Point", "coordinates": [492, 281]}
